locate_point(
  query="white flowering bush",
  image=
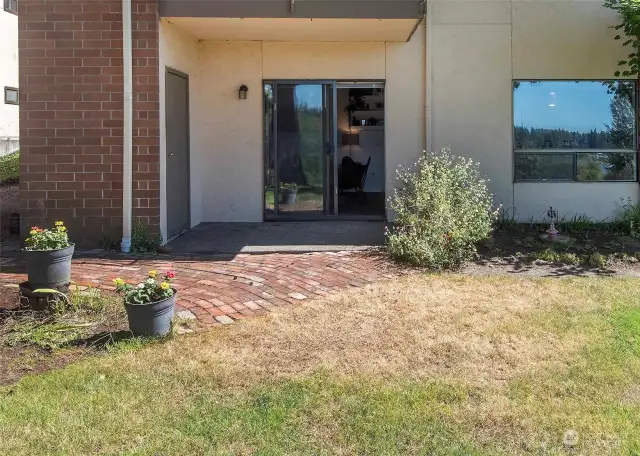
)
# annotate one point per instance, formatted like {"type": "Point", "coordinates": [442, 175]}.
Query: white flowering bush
{"type": "Point", "coordinates": [442, 209]}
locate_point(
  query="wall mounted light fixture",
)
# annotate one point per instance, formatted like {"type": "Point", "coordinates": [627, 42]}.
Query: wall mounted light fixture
{"type": "Point", "coordinates": [242, 92]}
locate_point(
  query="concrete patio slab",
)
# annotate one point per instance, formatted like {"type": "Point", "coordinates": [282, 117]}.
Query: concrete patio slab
{"type": "Point", "coordinates": [280, 237]}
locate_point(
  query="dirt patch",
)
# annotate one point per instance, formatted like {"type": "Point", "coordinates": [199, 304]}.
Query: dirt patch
{"type": "Point", "coordinates": [33, 342]}
{"type": "Point", "coordinates": [528, 267]}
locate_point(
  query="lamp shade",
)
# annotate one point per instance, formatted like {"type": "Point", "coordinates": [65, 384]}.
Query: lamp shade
{"type": "Point", "coordinates": [350, 139]}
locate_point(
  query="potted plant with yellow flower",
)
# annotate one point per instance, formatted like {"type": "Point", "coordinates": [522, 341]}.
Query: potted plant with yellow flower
{"type": "Point", "coordinates": [48, 255]}
{"type": "Point", "coordinates": [150, 305]}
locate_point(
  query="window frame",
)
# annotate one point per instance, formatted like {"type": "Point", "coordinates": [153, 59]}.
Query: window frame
{"type": "Point", "coordinates": [577, 151]}
{"type": "Point", "coordinates": [6, 99]}
{"type": "Point", "coordinates": [10, 6]}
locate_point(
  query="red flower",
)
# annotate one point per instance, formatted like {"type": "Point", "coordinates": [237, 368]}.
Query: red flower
{"type": "Point", "coordinates": [171, 274]}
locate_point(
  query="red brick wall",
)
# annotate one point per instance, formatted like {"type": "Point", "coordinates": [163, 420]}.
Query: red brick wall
{"type": "Point", "coordinates": [146, 114]}
{"type": "Point", "coordinates": [71, 111]}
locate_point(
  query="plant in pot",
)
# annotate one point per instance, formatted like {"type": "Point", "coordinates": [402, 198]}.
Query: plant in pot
{"type": "Point", "coordinates": [150, 305]}
{"type": "Point", "coordinates": [48, 255]}
{"type": "Point", "coordinates": [288, 193]}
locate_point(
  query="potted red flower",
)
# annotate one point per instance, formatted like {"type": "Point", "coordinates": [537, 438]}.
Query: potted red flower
{"type": "Point", "coordinates": [150, 305]}
{"type": "Point", "coordinates": [48, 254]}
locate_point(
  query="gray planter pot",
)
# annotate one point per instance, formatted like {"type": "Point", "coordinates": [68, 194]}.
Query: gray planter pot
{"type": "Point", "coordinates": [49, 268]}
{"type": "Point", "coordinates": [289, 197]}
{"type": "Point", "coordinates": [151, 319]}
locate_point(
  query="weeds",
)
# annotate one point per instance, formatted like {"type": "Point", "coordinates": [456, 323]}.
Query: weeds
{"type": "Point", "coordinates": [630, 215]}
{"type": "Point", "coordinates": [507, 220]}
{"type": "Point", "coordinates": [144, 242]}
{"type": "Point", "coordinates": [597, 260]}
{"type": "Point", "coordinates": [70, 319]}
{"type": "Point", "coordinates": [108, 243]}
{"type": "Point", "coordinates": [552, 256]}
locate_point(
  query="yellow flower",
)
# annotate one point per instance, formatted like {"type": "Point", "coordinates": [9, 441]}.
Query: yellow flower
{"type": "Point", "coordinates": [59, 223]}
{"type": "Point", "coordinates": [118, 282]}
{"type": "Point", "coordinates": [164, 285]}
{"type": "Point", "coordinates": [33, 232]}
{"type": "Point", "coordinates": [153, 274]}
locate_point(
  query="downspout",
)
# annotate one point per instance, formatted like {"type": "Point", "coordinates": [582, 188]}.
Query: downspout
{"type": "Point", "coordinates": [127, 149]}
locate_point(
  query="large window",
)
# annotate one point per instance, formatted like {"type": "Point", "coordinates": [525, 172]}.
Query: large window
{"type": "Point", "coordinates": [574, 130]}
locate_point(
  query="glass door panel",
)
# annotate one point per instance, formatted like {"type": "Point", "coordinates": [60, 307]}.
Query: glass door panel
{"type": "Point", "coordinates": [299, 142]}
{"type": "Point", "coordinates": [269, 151]}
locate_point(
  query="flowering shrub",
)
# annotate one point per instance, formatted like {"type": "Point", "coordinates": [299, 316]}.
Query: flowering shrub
{"type": "Point", "coordinates": [443, 208]}
{"type": "Point", "coordinates": [150, 291]}
{"type": "Point", "coordinates": [48, 239]}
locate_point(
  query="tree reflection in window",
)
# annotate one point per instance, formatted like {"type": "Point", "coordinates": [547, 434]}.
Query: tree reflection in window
{"type": "Point", "coordinates": [577, 117]}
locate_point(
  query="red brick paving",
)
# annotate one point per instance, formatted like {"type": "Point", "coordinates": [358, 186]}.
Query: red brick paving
{"type": "Point", "coordinates": [219, 291]}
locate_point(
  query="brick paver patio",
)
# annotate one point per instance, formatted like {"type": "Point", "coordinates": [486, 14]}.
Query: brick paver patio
{"type": "Point", "coordinates": [218, 290]}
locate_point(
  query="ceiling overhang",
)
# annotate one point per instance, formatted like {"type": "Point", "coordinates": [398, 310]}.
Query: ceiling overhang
{"type": "Point", "coordinates": [296, 29]}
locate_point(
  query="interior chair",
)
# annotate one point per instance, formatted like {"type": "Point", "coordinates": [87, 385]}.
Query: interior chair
{"type": "Point", "coordinates": [352, 175]}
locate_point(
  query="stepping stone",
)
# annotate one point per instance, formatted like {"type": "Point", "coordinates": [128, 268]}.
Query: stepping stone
{"type": "Point", "coordinates": [186, 315]}
{"type": "Point", "coordinates": [225, 320]}
{"type": "Point", "coordinates": [298, 296]}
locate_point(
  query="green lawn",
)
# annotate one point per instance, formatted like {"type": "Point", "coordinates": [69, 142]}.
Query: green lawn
{"type": "Point", "coordinates": [430, 365]}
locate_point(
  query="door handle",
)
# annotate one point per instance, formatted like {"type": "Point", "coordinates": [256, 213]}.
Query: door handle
{"type": "Point", "coordinates": [171, 154]}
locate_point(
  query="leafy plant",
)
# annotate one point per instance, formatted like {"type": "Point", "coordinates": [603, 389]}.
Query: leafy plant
{"type": "Point", "coordinates": [10, 168]}
{"type": "Point", "coordinates": [48, 239]}
{"type": "Point", "coordinates": [288, 186]}
{"type": "Point", "coordinates": [107, 242]}
{"type": "Point", "coordinates": [597, 260]}
{"type": "Point", "coordinates": [443, 208]}
{"type": "Point", "coordinates": [629, 13]}
{"type": "Point", "coordinates": [147, 292]}
{"type": "Point", "coordinates": [630, 215]}
{"type": "Point", "coordinates": [144, 242]}
{"type": "Point", "coordinates": [507, 220]}
{"type": "Point", "coordinates": [552, 256]}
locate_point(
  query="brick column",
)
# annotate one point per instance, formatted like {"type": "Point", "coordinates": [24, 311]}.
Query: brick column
{"type": "Point", "coordinates": [146, 114]}
{"type": "Point", "coordinates": [71, 111]}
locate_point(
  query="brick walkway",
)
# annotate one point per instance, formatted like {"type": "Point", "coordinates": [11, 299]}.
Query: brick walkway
{"type": "Point", "coordinates": [219, 290]}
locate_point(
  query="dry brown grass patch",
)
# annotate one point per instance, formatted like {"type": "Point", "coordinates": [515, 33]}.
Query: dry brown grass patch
{"type": "Point", "coordinates": [478, 330]}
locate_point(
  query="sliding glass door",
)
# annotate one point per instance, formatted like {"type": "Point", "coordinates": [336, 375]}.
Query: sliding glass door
{"type": "Point", "coordinates": [300, 145]}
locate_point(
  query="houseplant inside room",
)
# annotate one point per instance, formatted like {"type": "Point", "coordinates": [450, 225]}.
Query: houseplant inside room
{"type": "Point", "coordinates": [150, 305]}
{"type": "Point", "coordinates": [48, 255]}
{"type": "Point", "coordinates": [288, 192]}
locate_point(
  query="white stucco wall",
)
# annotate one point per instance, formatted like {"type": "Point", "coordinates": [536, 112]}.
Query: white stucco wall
{"type": "Point", "coordinates": [601, 201]}
{"type": "Point", "coordinates": [179, 51]}
{"type": "Point", "coordinates": [478, 48]}
{"type": "Point", "coordinates": [9, 130]}
{"type": "Point", "coordinates": [227, 133]}
{"type": "Point", "coordinates": [229, 141]}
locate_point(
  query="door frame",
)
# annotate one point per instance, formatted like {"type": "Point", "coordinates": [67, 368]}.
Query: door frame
{"type": "Point", "coordinates": [173, 71]}
{"type": "Point", "coordinates": [334, 119]}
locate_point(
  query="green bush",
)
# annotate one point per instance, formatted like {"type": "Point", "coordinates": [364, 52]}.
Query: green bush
{"type": "Point", "coordinates": [10, 168]}
{"type": "Point", "coordinates": [442, 208]}
{"type": "Point", "coordinates": [630, 215]}
{"type": "Point", "coordinates": [597, 260]}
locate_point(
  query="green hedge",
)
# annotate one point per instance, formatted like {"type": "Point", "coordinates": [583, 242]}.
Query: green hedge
{"type": "Point", "coordinates": [10, 168]}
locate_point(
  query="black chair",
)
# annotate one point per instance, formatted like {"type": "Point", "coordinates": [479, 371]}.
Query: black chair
{"type": "Point", "coordinates": [352, 175]}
